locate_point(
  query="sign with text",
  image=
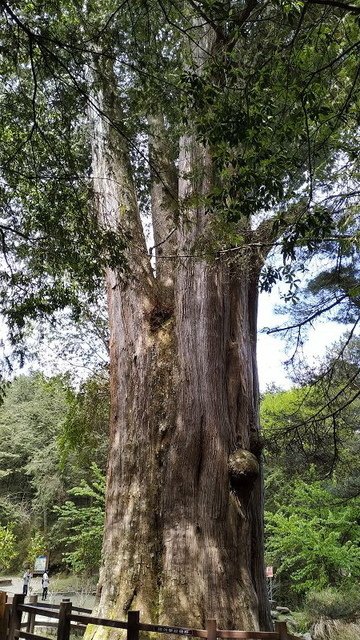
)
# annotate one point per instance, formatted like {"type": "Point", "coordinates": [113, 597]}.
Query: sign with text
{"type": "Point", "coordinates": [176, 630]}
{"type": "Point", "coordinates": [40, 564]}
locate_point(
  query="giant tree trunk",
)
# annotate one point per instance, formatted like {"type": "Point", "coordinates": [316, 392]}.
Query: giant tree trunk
{"type": "Point", "coordinates": [183, 535]}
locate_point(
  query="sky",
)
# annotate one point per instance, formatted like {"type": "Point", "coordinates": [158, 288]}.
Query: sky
{"type": "Point", "coordinates": [273, 349]}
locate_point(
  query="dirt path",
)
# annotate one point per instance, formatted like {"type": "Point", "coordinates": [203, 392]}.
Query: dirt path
{"type": "Point", "coordinates": [79, 597]}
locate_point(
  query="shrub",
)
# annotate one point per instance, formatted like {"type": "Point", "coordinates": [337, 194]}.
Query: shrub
{"type": "Point", "coordinates": [37, 546]}
{"type": "Point", "coordinates": [7, 547]}
{"type": "Point", "coordinates": [333, 604]}
{"type": "Point", "coordinates": [83, 524]}
{"type": "Point", "coordinates": [335, 630]}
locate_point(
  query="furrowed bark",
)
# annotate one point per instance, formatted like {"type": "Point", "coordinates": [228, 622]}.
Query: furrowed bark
{"type": "Point", "coordinates": [164, 201]}
{"type": "Point", "coordinates": [213, 562]}
{"type": "Point", "coordinates": [136, 372]}
{"type": "Point", "coordinates": [183, 533]}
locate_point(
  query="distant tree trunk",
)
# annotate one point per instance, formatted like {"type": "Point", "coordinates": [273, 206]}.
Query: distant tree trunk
{"type": "Point", "coordinates": [183, 536]}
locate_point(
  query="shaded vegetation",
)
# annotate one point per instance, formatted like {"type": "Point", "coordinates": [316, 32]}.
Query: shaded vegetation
{"type": "Point", "coordinates": [41, 461]}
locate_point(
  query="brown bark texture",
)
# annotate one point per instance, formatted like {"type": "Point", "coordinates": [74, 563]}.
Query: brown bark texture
{"type": "Point", "coordinates": [184, 535]}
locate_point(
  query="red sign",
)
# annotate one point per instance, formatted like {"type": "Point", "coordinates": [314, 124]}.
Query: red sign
{"type": "Point", "coordinates": [269, 571]}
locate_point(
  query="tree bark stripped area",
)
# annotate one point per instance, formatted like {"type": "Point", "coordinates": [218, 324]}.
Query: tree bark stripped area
{"type": "Point", "coordinates": [183, 534]}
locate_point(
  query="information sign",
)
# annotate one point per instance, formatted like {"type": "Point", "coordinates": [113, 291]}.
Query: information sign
{"type": "Point", "coordinates": [40, 564]}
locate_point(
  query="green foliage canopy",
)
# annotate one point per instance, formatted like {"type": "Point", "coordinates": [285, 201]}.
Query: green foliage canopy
{"type": "Point", "coordinates": [30, 420]}
{"type": "Point", "coordinates": [83, 524]}
{"type": "Point", "coordinates": [312, 484]}
{"type": "Point", "coordinates": [84, 434]}
{"type": "Point", "coordinates": [7, 547]}
{"type": "Point", "coordinates": [51, 437]}
{"type": "Point", "coordinates": [317, 423]}
{"type": "Point", "coordinates": [313, 538]}
{"type": "Point", "coordinates": [275, 99]}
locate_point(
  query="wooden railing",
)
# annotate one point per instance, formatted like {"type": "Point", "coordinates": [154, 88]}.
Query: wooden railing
{"type": "Point", "coordinates": [68, 616]}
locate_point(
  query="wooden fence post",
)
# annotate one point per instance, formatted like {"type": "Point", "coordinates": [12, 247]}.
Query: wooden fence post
{"type": "Point", "coordinates": [7, 619]}
{"type": "Point", "coordinates": [63, 632]}
{"type": "Point", "coordinates": [133, 619]}
{"type": "Point", "coordinates": [16, 615]}
{"type": "Point", "coordinates": [211, 629]}
{"type": "Point", "coordinates": [281, 628]}
{"type": "Point", "coordinates": [31, 615]}
{"type": "Point", "coordinates": [3, 615]}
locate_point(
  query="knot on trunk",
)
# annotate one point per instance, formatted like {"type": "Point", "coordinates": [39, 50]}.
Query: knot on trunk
{"type": "Point", "coordinates": [160, 313]}
{"type": "Point", "coordinates": [243, 470]}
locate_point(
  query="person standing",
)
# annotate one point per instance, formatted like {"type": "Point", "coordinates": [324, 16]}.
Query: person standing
{"type": "Point", "coordinates": [45, 585]}
{"type": "Point", "coordinates": [26, 581]}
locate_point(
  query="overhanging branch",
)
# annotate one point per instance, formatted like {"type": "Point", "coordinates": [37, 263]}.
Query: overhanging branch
{"type": "Point", "coordinates": [310, 318]}
{"type": "Point", "coordinates": [351, 8]}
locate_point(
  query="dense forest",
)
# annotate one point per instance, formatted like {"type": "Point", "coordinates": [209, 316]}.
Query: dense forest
{"type": "Point", "coordinates": [53, 462]}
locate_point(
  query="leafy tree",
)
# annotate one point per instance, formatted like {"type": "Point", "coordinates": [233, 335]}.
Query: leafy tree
{"type": "Point", "coordinates": [247, 114]}
{"type": "Point", "coordinates": [7, 547]}
{"type": "Point", "coordinates": [30, 420]}
{"type": "Point", "coordinates": [82, 524]}
{"type": "Point", "coordinates": [313, 539]}
{"type": "Point", "coordinates": [317, 423]}
{"type": "Point", "coordinates": [52, 436]}
{"type": "Point", "coordinates": [84, 434]}
{"type": "Point", "coordinates": [312, 523]}
{"type": "Point", "coordinates": [30, 477]}
{"type": "Point", "coordinates": [37, 546]}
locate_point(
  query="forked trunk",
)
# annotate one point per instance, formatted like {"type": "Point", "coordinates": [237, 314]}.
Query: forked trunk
{"type": "Point", "coordinates": [183, 536]}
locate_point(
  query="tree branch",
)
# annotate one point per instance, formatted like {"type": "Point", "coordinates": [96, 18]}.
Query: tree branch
{"type": "Point", "coordinates": [337, 4]}
{"type": "Point", "coordinates": [218, 30]}
{"type": "Point", "coordinates": [310, 318]}
{"type": "Point", "coordinates": [241, 17]}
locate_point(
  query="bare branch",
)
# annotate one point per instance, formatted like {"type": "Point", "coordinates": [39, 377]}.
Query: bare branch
{"type": "Point", "coordinates": [310, 318]}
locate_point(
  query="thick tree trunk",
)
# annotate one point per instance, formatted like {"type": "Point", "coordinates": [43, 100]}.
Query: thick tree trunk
{"type": "Point", "coordinates": [183, 535]}
{"type": "Point", "coordinates": [212, 461]}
